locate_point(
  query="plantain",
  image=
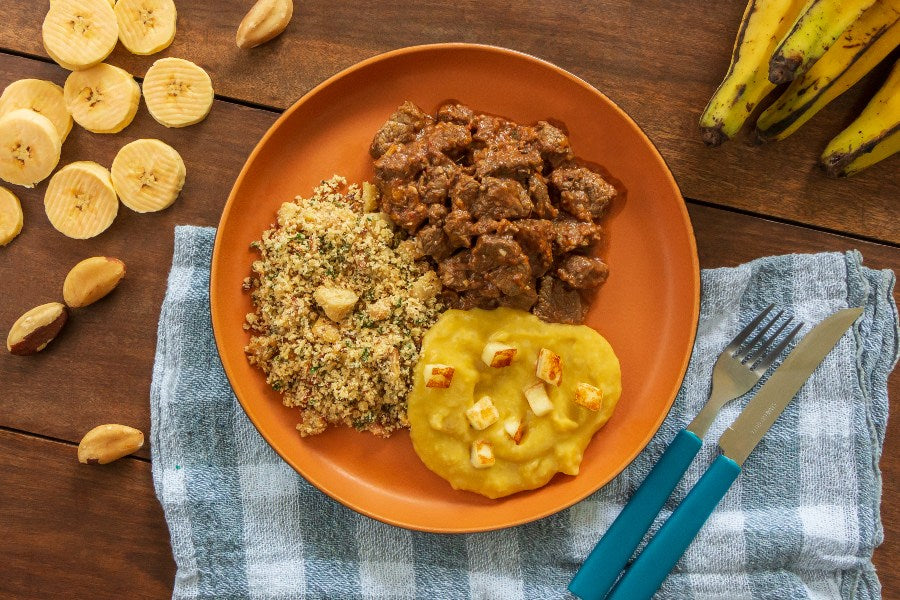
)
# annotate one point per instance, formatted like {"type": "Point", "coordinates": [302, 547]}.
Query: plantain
{"type": "Point", "coordinates": [746, 83]}
{"type": "Point", "coordinates": [820, 23]}
{"type": "Point", "coordinates": [873, 136]}
{"type": "Point", "coordinates": [862, 46]}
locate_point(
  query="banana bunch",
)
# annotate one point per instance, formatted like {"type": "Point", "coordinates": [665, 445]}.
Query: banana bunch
{"type": "Point", "coordinates": [822, 47]}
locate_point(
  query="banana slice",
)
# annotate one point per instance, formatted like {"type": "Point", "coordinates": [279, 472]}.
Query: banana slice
{"type": "Point", "coordinates": [146, 26]}
{"type": "Point", "coordinates": [178, 92]}
{"type": "Point", "coordinates": [102, 99]}
{"type": "Point", "coordinates": [44, 97]}
{"type": "Point", "coordinates": [11, 218]}
{"type": "Point", "coordinates": [79, 34]}
{"type": "Point", "coordinates": [80, 200]}
{"type": "Point", "coordinates": [29, 147]}
{"type": "Point", "coordinates": [148, 175]}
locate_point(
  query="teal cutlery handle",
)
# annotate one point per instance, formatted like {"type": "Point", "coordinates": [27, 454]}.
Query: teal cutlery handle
{"type": "Point", "coordinates": [602, 566]}
{"type": "Point", "coordinates": [650, 569]}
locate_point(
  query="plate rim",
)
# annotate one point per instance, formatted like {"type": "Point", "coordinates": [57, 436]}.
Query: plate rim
{"type": "Point", "coordinates": [215, 311]}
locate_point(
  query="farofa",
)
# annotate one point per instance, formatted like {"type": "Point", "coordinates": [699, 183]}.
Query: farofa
{"type": "Point", "coordinates": [357, 372]}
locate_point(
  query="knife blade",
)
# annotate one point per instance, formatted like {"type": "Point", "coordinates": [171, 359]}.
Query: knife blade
{"type": "Point", "coordinates": [658, 558]}
{"type": "Point", "coordinates": [748, 429]}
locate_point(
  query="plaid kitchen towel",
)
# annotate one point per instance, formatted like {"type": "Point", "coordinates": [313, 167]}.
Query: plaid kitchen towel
{"type": "Point", "coordinates": [801, 521]}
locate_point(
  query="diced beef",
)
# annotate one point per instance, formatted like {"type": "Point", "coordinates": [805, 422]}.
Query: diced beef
{"type": "Point", "coordinates": [552, 144]}
{"type": "Point", "coordinates": [540, 196]}
{"type": "Point", "coordinates": [455, 272]}
{"type": "Point", "coordinates": [459, 228]}
{"type": "Point", "coordinates": [501, 199]}
{"type": "Point", "coordinates": [435, 183]}
{"type": "Point", "coordinates": [582, 193]}
{"type": "Point", "coordinates": [401, 128]}
{"type": "Point", "coordinates": [436, 214]}
{"type": "Point", "coordinates": [406, 162]}
{"type": "Point", "coordinates": [507, 160]}
{"type": "Point", "coordinates": [401, 203]}
{"type": "Point", "coordinates": [583, 272]}
{"type": "Point", "coordinates": [447, 138]}
{"type": "Point", "coordinates": [536, 236]}
{"type": "Point", "coordinates": [502, 263]}
{"type": "Point", "coordinates": [434, 242]}
{"type": "Point", "coordinates": [489, 130]}
{"type": "Point", "coordinates": [453, 112]}
{"type": "Point", "coordinates": [572, 234]}
{"type": "Point", "coordinates": [558, 303]}
{"type": "Point", "coordinates": [464, 192]}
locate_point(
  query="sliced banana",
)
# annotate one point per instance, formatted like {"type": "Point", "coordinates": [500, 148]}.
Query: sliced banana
{"type": "Point", "coordinates": [178, 93]}
{"type": "Point", "coordinates": [102, 99]}
{"type": "Point", "coordinates": [148, 175]}
{"type": "Point", "coordinates": [80, 200]}
{"type": "Point", "coordinates": [44, 97]}
{"type": "Point", "coordinates": [146, 26]}
{"type": "Point", "coordinates": [79, 34]}
{"type": "Point", "coordinates": [11, 218]}
{"type": "Point", "coordinates": [29, 147]}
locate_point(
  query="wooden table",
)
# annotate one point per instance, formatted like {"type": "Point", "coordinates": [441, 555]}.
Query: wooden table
{"type": "Point", "coordinates": [68, 530]}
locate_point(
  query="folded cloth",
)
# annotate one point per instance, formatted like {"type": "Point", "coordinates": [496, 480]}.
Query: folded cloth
{"type": "Point", "coordinates": [801, 521]}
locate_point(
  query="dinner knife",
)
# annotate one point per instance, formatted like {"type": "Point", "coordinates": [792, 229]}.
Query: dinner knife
{"type": "Point", "coordinates": [652, 566]}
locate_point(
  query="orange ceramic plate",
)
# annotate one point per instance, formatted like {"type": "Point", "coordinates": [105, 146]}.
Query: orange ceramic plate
{"type": "Point", "coordinates": [648, 308]}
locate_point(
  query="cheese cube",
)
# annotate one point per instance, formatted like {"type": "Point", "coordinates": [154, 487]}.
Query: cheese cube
{"type": "Point", "coordinates": [588, 396]}
{"type": "Point", "coordinates": [482, 455]}
{"type": "Point", "coordinates": [483, 413]}
{"type": "Point", "coordinates": [438, 376]}
{"type": "Point", "coordinates": [549, 367]}
{"type": "Point", "coordinates": [538, 399]}
{"type": "Point", "coordinates": [515, 429]}
{"type": "Point", "coordinates": [498, 354]}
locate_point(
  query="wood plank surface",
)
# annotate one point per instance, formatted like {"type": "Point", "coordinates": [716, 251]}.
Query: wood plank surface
{"type": "Point", "coordinates": [659, 60]}
{"type": "Point", "coordinates": [78, 531]}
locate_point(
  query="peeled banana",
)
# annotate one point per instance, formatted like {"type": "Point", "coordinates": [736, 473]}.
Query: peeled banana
{"type": "Point", "coordinates": [11, 218]}
{"type": "Point", "coordinates": [820, 23]}
{"type": "Point", "coordinates": [29, 147]}
{"type": "Point", "coordinates": [102, 99]}
{"type": "Point", "coordinates": [146, 26]}
{"type": "Point", "coordinates": [80, 200]}
{"type": "Point", "coordinates": [872, 137]}
{"type": "Point", "coordinates": [862, 46]}
{"type": "Point", "coordinates": [148, 175]}
{"type": "Point", "coordinates": [178, 93]}
{"type": "Point", "coordinates": [79, 34]}
{"type": "Point", "coordinates": [43, 97]}
{"type": "Point", "coordinates": [746, 82]}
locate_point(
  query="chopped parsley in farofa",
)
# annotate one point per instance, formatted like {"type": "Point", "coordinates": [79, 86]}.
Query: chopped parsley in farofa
{"type": "Point", "coordinates": [356, 371]}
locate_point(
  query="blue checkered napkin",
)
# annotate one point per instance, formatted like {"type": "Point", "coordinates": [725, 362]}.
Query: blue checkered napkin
{"type": "Point", "coordinates": [801, 521]}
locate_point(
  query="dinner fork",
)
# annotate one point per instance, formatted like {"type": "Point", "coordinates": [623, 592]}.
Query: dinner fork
{"type": "Point", "coordinates": [737, 370]}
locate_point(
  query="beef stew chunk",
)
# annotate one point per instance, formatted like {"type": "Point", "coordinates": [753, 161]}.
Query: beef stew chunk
{"type": "Point", "coordinates": [505, 210]}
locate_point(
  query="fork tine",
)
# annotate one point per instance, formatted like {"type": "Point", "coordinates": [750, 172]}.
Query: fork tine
{"type": "Point", "coordinates": [766, 361]}
{"type": "Point", "coordinates": [761, 351]}
{"type": "Point", "coordinates": [743, 354]}
{"type": "Point", "coordinates": [746, 331]}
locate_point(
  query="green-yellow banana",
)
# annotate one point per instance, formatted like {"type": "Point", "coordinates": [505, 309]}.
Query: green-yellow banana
{"type": "Point", "coordinates": [862, 46]}
{"type": "Point", "coordinates": [746, 83]}
{"type": "Point", "coordinates": [872, 137]}
{"type": "Point", "coordinates": [820, 23]}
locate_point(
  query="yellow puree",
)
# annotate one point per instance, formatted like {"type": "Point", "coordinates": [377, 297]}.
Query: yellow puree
{"type": "Point", "coordinates": [555, 442]}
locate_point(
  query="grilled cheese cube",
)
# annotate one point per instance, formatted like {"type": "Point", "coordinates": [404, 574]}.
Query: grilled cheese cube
{"type": "Point", "coordinates": [438, 376]}
{"type": "Point", "coordinates": [515, 429]}
{"type": "Point", "coordinates": [336, 302]}
{"type": "Point", "coordinates": [538, 399]}
{"type": "Point", "coordinates": [482, 455]}
{"type": "Point", "coordinates": [498, 354]}
{"type": "Point", "coordinates": [483, 413]}
{"type": "Point", "coordinates": [549, 367]}
{"type": "Point", "coordinates": [588, 396]}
